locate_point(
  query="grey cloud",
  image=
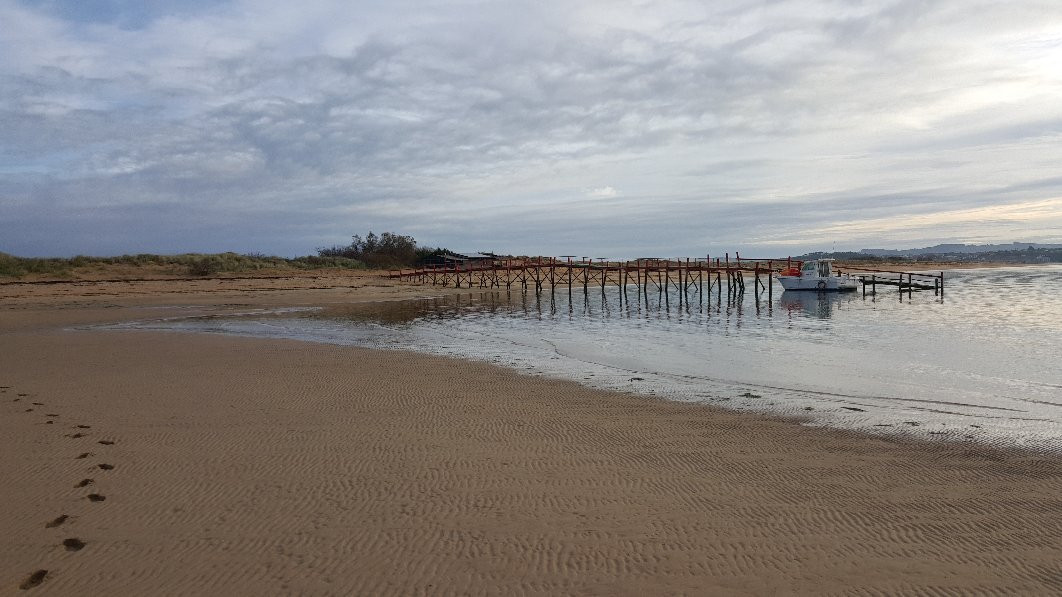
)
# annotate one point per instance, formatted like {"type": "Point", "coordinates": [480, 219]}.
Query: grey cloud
{"type": "Point", "coordinates": [454, 125]}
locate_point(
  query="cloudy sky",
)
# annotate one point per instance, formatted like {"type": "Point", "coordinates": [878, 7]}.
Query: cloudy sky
{"type": "Point", "coordinates": [547, 127]}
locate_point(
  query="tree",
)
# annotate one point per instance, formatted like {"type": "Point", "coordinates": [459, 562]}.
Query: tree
{"type": "Point", "coordinates": [385, 250]}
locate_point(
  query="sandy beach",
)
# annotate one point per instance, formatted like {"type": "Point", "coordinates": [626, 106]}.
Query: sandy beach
{"type": "Point", "coordinates": [149, 463]}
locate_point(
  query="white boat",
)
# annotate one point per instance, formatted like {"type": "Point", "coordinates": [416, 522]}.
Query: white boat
{"type": "Point", "coordinates": [816, 274]}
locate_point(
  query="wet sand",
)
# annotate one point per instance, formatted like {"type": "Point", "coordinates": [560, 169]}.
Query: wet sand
{"type": "Point", "coordinates": [258, 467]}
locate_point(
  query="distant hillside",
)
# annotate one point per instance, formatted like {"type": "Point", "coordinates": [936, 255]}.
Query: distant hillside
{"type": "Point", "coordinates": [1030, 253]}
{"type": "Point", "coordinates": [956, 249]}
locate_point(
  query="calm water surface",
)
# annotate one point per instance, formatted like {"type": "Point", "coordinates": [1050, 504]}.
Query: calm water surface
{"type": "Point", "coordinates": [981, 364]}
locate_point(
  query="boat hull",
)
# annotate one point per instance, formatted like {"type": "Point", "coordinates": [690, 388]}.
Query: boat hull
{"type": "Point", "coordinates": [831, 284]}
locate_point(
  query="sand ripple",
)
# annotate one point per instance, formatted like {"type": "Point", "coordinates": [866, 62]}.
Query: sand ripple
{"type": "Point", "coordinates": [269, 467]}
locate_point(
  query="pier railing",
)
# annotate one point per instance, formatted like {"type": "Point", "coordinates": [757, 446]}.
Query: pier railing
{"type": "Point", "coordinates": [659, 274]}
{"type": "Point", "coordinates": [903, 281]}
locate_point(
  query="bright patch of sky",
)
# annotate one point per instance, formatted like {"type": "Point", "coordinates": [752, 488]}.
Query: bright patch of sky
{"type": "Point", "coordinates": [619, 129]}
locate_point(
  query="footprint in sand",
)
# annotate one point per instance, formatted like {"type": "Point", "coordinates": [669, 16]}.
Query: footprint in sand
{"type": "Point", "coordinates": [106, 467]}
{"type": "Point", "coordinates": [58, 520]}
{"type": "Point", "coordinates": [95, 497]}
{"type": "Point", "coordinates": [84, 483]}
{"type": "Point", "coordinates": [83, 455]}
{"type": "Point", "coordinates": [33, 580]}
{"type": "Point", "coordinates": [105, 442]}
{"type": "Point", "coordinates": [73, 544]}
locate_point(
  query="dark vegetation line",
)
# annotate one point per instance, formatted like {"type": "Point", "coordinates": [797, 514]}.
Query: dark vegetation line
{"type": "Point", "coordinates": [385, 251]}
{"type": "Point", "coordinates": [372, 252]}
{"type": "Point", "coordinates": [389, 250]}
{"type": "Point", "coordinates": [195, 264]}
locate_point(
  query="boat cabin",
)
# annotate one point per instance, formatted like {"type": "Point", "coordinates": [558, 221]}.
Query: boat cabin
{"type": "Point", "coordinates": [816, 274]}
{"type": "Point", "coordinates": [817, 268]}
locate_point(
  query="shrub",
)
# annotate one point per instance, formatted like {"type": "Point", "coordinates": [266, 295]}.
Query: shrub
{"type": "Point", "coordinates": [10, 266]}
{"type": "Point", "coordinates": [385, 250]}
{"type": "Point", "coordinates": [315, 261]}
{"type": "Point", "coordinates": [206, 266]}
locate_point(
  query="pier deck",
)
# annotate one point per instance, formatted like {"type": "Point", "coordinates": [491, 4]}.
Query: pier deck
{"type": "Point", "coordinates": [660, 275]}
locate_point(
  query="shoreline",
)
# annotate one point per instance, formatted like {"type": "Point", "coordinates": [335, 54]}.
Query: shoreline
{"type": "Point", "coordinates": [251, 466]}
{"type": "Point", "coordinates": [888, 432]}
{"type": "Point", "coordinates": [258, 294]}
{"type": "Point", "coordinates": [127, 274]}
{"type": "Point", "coordinates": [891, 435]}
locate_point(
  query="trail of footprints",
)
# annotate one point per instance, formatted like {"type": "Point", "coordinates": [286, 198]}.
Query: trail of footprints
{"type": "Point", "coordinates": [71, 544]}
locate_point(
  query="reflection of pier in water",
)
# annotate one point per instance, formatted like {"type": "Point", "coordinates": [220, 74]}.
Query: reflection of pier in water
{"type": "Point", "coordinates": [734, 306]}
{"type": "Point", "coordinates": [552, 305]}
{"type": "Point", "coordinates": [733, 310]}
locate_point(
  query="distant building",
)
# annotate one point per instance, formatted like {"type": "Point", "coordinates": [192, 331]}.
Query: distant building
{"type": "Point", "coordinates": [468, 259]}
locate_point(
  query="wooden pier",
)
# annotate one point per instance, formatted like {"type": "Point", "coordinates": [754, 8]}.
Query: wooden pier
{"type": "Point", "coordinates": [903, 281]}
{"type": "Point", "coordinates": [645, 275]}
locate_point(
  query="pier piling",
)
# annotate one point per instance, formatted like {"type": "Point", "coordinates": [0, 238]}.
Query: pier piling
{"type": "Point", "coordinates": [683, 274]}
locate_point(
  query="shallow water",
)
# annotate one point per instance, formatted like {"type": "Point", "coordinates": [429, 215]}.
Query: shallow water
{"type": "Point", "coordinates": [981, 364]}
